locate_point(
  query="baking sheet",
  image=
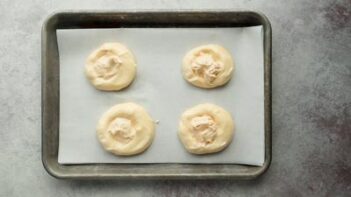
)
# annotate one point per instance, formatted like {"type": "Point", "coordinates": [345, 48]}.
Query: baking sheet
{"type": "Point", "coordinates": [161, 89]}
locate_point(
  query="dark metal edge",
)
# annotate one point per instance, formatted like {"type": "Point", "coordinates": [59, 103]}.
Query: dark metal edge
{"type": "Point", "coordinates": [48, 164]}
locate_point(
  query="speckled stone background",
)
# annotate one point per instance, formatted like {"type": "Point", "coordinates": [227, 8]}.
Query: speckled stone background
{"type": "Point", "coordinates": [311, 102]}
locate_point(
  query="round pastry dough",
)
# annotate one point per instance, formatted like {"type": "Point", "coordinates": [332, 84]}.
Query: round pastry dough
{"type": "Point", "coordinates": [126, 129]}
{"type": "Point", "coordinates": [111, 67]}
{"type": "Point", "coordinates": [208, 66]}
{"type": "Point", "coordinates": [206, 128]}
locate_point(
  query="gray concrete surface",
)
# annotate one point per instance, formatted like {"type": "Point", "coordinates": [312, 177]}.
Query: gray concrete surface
{"type": "Point", "coordinates": [311, 102]}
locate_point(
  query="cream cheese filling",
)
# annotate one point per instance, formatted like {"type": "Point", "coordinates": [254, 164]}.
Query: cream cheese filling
{"type": "Point", "coordinates": [206, 67]}
{"type": "Point", "coordinates": [204, 129]}
{"type": "Point", "coordinates": [122, 130]}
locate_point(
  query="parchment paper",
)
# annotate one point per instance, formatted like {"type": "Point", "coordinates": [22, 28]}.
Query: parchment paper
{"type": "Point", "coordinates": [161, 89]}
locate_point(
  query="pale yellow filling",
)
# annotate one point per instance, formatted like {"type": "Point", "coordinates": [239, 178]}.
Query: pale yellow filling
{"type": "Point", "coordinates": [206, 67]}
{"type": "Point", "coordinates": [204, 129]}
{"type": "Point", "coordinates": [122, 130]}
{"type": "Point", "coordinates": [107, 65]}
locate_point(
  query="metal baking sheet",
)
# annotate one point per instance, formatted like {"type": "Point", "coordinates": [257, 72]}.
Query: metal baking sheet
{"type": "Point", "coordinates": [140, 20]}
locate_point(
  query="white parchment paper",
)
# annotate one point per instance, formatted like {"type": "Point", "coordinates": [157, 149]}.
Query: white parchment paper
{"type": "Point", "coordinates": [161, 89]}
